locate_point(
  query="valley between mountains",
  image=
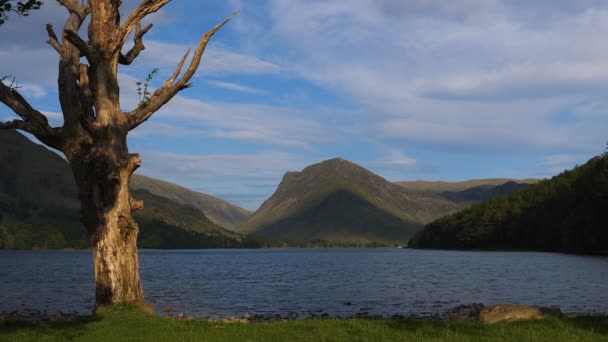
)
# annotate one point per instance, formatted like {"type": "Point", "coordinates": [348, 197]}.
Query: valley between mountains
{"type": "Point", "coordinates": [332, 203]}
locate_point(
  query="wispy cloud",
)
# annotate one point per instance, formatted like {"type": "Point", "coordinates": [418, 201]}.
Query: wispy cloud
{"type": "Point", "coordinates": [457, 74]}
{"type": "Point", "coordinates": [217, 60]}
{"type": "Point", "coordinates": [157, 129]}
{"type": "Point", "coordinates": [558, 159]}
{"type": "Point", "coordinates": [237, 87]}
{"type": "Point", "coordinates": [396, 158]}
{"type": "Point", "coordinates": [265, 124]}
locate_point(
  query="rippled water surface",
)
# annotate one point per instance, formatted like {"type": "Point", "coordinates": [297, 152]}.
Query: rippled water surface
{"type": "Point", "coordinates": [221, 283]}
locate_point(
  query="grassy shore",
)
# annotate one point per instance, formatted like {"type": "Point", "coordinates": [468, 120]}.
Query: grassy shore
{"type": "Point", "coordinates": [132, 325]}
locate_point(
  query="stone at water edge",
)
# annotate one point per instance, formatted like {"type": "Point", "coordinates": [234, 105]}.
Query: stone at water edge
{"type": "Point", "coordinates": [465, 312]}
{"type": "Point", "coordinates": [512, 312]}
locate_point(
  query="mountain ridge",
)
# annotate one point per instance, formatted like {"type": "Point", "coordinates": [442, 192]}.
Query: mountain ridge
{"type": "Point", "coordinates": [221, 212]}
{"type": "Point", "coordinates": [452, 186]}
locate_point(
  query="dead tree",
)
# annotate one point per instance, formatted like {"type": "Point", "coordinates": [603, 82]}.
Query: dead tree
{"type": "Point", "coordinates": [93, 137]}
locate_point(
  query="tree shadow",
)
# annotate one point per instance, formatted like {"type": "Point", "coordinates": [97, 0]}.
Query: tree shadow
{"type": "Point", "coordinates": [434, 328]}
{"type": "Point", "coordinates": [66, 329]}
{"type": "Point", "coordinates": [473, 329]}
{"type": "Point", "coordinates": [592, 323]}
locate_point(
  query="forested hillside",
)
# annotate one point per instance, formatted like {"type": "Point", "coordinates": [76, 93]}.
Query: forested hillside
{"type": "Point", "coordinates": [565, 213]}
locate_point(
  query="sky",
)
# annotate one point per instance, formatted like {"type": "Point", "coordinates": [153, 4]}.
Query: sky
{"type": "Point", "coordinates": [410, 89]}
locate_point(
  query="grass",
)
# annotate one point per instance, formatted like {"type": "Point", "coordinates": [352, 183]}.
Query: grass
{"type": "Point", "coordinates": [131, 325]}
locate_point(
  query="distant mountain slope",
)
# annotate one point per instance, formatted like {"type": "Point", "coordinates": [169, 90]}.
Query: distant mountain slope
{"type": "Point", "coordinates": [438, 187]}
{"type": "Point", "coordinates": [39, 206]}
{"type": "Point", "coordinates": [167, 224]}
{"type": "Point", "coordinates": [176, 214]}
{"type": "Point", "coordinates": [566, 213]}
{"type": "Point", "coordinates": [470, 191]}
{"type": "Point", "coordinates": [30, 172]}
{"type": "Point", "coordinates": [219, 211]}
{"type": "Point", "coordinates": [482, 193]}
{"type": "Point", "coordinates": [340, 201]}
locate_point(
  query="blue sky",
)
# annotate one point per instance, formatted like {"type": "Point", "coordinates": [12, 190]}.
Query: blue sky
{"type": "Point", "coordinates": [420, 89]}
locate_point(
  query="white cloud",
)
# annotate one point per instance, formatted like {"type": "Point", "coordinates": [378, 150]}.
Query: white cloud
{"type": "Point", "coordinates": [237, 87]}
{"type": "Point", "coordinates": [396, 158]}
{"type": "Point", "coordinates": [521, 82]}
{"type": "Point", "coordinates": [33, 90]}
{"type": "Point", "coordinates": [558, 159]}
{"type": "Point", "coordinates": [457, 74]}
{"type": "Point", "coordinates": [216, 59]}
{"type": "Point", "coordinates": [156, 129]}
{"type": "Point", "coordinates": [265, 124]}
{"type": "Point", "coordinates": [249, 122]}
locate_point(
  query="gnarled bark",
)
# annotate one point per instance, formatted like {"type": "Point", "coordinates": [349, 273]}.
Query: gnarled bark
{"type": "Point", "coordinates": [102, 174]}
{"type": "Point", "coordinates": [107, 214]}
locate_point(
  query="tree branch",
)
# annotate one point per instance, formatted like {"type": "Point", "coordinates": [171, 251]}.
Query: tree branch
{"type": "Point", "coordinates": [76, 8]}
{"type": "Point", "coordinates": [54, 140]}
{"type": "Point", "coordinates": [145, 8]}
{"type": "Point", "coordinates": [138, 47]}
{"type": "Point", "coordinates": [12, 99]}
{"type": "Point", "coordinates": [32, 121]}
{"type": "Point", "coordinates": [78, 42]}
{"type": "Point", "coordinates": [18, 124]}
{"type": "Point", "coordinates": [178, 69]}
{"type": "Point", "coordinates": [53, 39]}
{"type": "Point", "coordinates": [171, 87]}
{"type": "Point", "coordinates": [70, 92]}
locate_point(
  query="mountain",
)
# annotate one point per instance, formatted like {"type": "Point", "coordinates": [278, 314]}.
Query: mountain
{"type": "Point", "coordinates": [337, 200]}
{"type": "Point", "coordinates": [341, 202]}
{"type": "Point", "coordinates": [566, 213]}
{"type": "Point", "coordinates": [39, 206]}
{"type": "Point", "coordinates": [470, 191]}
{"type": "Point", "coordinates": [217, 210]}
{"type": "Point", "coordinates": [483, 192]}
{"type": "Point", "coordinates": [438, 187]}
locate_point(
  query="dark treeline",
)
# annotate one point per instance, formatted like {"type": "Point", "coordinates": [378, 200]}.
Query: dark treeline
{"type": "Point", "coordinates": [318, 243]}
{"type": "Point", "coordinates": [24, 225]}
{"type": "Point", "coordinates": [567, 213]}
{"type": "Point", "coordinates": [159, 235]}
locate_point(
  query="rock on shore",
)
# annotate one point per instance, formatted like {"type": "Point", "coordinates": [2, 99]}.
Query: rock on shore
{"type": "Point", "coordinates": [499, 313]}
{"type": "Point", "coordinates": [510, 312]}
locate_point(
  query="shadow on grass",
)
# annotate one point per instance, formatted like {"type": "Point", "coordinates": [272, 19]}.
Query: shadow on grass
{"type": "Point", "coordinates": [597, 324]}
{"type": "Point", "coordinates": [437, 328]}
{"type": "Point", "coordinates": [68, 329]}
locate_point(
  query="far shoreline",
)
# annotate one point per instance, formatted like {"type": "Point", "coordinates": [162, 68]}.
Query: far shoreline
{"type": "Point", "coordinates": [505, 250]}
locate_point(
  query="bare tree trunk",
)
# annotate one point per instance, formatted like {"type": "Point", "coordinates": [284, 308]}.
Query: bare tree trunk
{"type": "Point", "coordinates": [103, 174]}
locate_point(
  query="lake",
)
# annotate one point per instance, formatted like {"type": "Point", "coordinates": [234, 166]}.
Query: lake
{"type": "Point", "coordinates": [221, 283]}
